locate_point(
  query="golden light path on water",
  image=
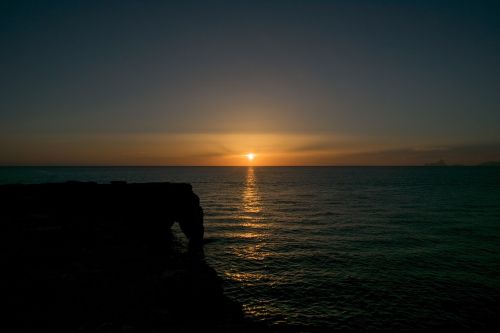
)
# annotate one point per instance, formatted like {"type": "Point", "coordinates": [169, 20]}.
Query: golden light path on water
{"type": "Point", "coordinates": [254, 227]}
{"type": "Point", "coordinates": [252, 224]}
{"type": "Point", "coordinates": [251, 198]}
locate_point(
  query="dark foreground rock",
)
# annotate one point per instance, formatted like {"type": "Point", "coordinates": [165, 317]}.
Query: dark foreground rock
{"type": "Point", "coordinates": [92, 257]}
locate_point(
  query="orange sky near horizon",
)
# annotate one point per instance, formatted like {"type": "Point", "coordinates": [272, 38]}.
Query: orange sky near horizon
{"type": "Point", "coordinates": [231, 149]}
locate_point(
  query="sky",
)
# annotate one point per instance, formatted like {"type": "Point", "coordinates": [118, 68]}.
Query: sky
{"type": "Point", "coordinates": [206, 82]}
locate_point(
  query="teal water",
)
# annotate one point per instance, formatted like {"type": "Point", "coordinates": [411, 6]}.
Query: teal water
{"type": "Point", "coordinates": [342, 248]}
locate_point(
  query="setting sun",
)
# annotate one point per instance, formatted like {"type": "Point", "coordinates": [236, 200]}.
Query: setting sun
{"type": "Point", "coordinates": [250, 156]}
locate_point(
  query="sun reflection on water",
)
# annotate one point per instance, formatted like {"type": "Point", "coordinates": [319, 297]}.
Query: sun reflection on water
{"type": "Point", "coordinates": [251, 208]}
{"type": "Point", "coordinates": [253, 250]}
{"type": "Point", "coordinates": [251, 199]}
{"type": "Point", "coordinates": [253, 253]}
{"type": "Point", "coordinates": [247, 279]}
{"type": "Point", "coordinates": [254, 229]}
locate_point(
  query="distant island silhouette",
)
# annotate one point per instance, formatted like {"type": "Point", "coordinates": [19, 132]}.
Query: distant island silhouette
{"type": "Point", "coordinates": [490, 163]}
{"type": "Point", "coordinates": [442, 163]}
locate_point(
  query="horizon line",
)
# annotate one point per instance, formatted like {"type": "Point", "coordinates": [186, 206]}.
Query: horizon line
{"type": "Point", "coordinates": [228, 166]}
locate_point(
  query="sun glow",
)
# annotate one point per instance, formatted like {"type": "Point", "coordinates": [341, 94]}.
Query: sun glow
{"type": "Point", "coordinates": [250, 156]}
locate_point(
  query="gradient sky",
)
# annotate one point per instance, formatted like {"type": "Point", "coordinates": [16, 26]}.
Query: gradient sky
{"type": "Point", "coordinates": [202, 83]}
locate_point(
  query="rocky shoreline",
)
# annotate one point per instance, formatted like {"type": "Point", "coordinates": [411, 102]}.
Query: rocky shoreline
{"type": "Point", "coordinates": [87, 257]}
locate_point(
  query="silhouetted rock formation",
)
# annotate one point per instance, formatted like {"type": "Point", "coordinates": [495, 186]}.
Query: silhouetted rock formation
{"type": "Point", "coordinates": [135, 211]}
{"type": "Point", "coordinates": [93, 257]}
{"type": "Point", "coordinates": [490, 163]}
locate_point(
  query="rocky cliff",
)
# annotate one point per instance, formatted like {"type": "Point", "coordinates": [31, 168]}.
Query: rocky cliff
{"type": "Point", "coordinates": [93, 257]}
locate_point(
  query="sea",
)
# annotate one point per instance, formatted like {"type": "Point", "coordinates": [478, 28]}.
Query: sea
{"type": "Point", "coordinates": [319, 249]}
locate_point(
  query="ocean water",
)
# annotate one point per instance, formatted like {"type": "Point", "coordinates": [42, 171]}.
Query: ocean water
{"type": "Point", "coordinates": [342, 248]}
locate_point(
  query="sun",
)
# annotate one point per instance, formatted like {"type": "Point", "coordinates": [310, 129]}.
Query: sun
{"type": "Point", "coordinates": [250, 156]}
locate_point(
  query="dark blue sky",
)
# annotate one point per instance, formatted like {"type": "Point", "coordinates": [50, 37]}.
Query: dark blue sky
{"type": "Point", "coordinates": [298, 82]}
